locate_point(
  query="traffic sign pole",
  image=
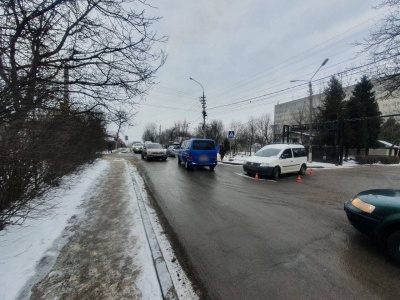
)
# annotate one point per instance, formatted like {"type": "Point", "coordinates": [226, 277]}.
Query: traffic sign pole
{"type": "Point", "coordinates": [231, 135]}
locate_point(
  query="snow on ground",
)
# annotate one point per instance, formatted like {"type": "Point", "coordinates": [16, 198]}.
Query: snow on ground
{"type": "Point", "coordinates": [179, 278]}
{"type": "Point", "coordinates": [241, 158]}
{"type": "Point", "coordinates": [21, 247]}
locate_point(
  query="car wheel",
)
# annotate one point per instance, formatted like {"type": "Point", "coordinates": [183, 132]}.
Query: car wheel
{"type": "Point", "coordinates": [212, 168]}
{"type": "Point", "coordinates": [393, 244]}
{"type": "Point", "coordinates": [179, 161]}
{"type": "Point", "coordinates": [187, 166]}
{"type": "Point", "coordinates": [275, 173]}
{"type": "Point", "coordinates": [142, 156]}
{"type": "Point", "coordinates": [303, 169]}
{"type": "Point", "coordinates": [164, 158]}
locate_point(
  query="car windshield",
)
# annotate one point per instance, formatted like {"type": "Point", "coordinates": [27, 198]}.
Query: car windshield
{"type": "Point", "coordinates": [154, 146]}
{"type": "Point", "coordinates": [138, 144]}
{"type": "Point", "coordinates": [203, 145]}
{"type": "Point", "coordinates": [270, 152]}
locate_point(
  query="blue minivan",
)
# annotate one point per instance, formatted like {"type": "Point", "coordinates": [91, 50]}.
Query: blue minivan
{"type": "Point", "coordinates": [198, 152]}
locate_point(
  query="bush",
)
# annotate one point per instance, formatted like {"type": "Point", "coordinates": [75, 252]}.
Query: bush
{"type": "Point", "coordinates": [367, 159]}
{"type": "Point", "coordinates": [35, 154]}
{"type": "Point", "coordinates": [374, 159]}
{"type": "Point", "coordinates": [389, 160]}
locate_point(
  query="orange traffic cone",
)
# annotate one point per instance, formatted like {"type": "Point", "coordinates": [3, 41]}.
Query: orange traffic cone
{"type": "Point", "coordinates": [311, 172]}
{"type": "Point", "coordinates": [256, 177]}
{"type": "Point", "coordinates": [299, 179]}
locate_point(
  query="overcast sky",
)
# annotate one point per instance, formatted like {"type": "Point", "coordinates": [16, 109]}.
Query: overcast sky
{"type": "Point", "coordinates": [246, 53]}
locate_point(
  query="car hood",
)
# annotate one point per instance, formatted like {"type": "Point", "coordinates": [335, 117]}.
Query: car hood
{"type": "Point", "coordinates": [386, 201]}
{"type": "Point", "coordinates": [261, 160]}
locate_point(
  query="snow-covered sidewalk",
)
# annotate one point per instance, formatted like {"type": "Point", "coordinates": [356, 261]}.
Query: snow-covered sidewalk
{"type": "Point", "coordinates": [91, 245]}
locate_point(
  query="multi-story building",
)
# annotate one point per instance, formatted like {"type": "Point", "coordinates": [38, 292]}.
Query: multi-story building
{"type": "Point", "coordinates": [297, 112]}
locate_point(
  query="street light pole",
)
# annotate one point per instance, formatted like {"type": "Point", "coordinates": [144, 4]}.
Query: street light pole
{"type": "Point", "coordinates": [203, 103]}
{"type": "Point", "coordinates": [311, 109]}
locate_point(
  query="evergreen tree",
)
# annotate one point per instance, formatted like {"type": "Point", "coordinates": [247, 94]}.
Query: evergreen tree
{"type": "Point", "coordinates": [362, 129]}
{"type": "Point", "coordinates": [332, 111]}
{"type": "Point", "coordinates": [371, 112]}
{"type": "Point", "coordinates": [391, 133]}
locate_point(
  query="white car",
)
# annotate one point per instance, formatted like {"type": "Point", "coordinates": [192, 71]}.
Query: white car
{"type": "Point", "coordinates": [274, 160]}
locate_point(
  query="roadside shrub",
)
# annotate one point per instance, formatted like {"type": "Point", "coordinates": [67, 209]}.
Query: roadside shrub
{"type": "Point", "coordinates": [366, 159]}
{"type": "Point", "coordinates": [36, 153]}
{"type": "Point", "coordinates": [389, 160]}
{"type": "Point", "coordinates": [375, 159]}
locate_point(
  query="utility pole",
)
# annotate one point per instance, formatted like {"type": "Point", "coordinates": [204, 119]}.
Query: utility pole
{"type": "Point", "coordinates": [159, 135]}
{"type": "Point", "coordinates": [311, 109]}
{"type": "Point", "coordinates": [311, 120]}
{"type": "Point", "coordinates": [203, 105]}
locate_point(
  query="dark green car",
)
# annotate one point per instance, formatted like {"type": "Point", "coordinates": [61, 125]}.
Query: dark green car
{"type": "Point", "coordinates": [376, 213]}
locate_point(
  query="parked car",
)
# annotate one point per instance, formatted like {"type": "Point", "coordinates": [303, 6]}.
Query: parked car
{"type": "Point", "coordinates": [198, 152]}
{"type": "Point", "coordinates": [274, 160]}
{"type": "Point", "coordinates": [137, 147]}
{"type": "Point", "coordinates": [172, 150]}
{"type": "Point", "coordinates": [376, 213]}
{"type": "Point", "coordinates": [154, 151]}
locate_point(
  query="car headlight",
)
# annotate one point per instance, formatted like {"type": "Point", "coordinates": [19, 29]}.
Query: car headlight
{"type": "Point", "coordinates": [368, 208]}
{"type": "Point", "coordinates": [264, 165]}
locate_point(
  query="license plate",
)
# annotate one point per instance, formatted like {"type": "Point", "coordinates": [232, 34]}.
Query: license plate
{"type": "Point", "coordinates": [203, 158]}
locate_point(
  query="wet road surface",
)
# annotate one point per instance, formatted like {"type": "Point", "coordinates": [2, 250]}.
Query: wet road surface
{"type": "Point", "coordinates": [249, 239]}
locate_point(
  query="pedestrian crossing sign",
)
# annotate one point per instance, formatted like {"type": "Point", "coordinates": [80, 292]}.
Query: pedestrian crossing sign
{"type": "Point", "coordinates": [231, 134]}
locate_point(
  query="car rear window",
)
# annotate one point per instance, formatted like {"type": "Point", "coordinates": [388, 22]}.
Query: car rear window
{"type": "Point", "coordinates": [154, 146]}
{"type": "Point", "coordinates": [268, 152]}
{"type": "Point", "coordinates": [203, 145]}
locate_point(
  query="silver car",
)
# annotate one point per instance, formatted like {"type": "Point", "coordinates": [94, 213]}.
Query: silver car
{"type": "Point", "coordinates": [137, 147]}
{"type": "Point", "coordinates": [154, 151]}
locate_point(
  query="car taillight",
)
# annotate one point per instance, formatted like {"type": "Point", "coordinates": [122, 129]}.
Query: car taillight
{"type": "Point", "coordinates": [190, 158]}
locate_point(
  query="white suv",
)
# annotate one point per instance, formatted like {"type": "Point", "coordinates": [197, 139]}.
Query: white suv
{"type": "Point", "coordinates": [273, 160]}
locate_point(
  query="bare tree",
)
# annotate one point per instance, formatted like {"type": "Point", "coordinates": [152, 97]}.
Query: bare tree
{"type": "Point", "coordinates": [239, 130]}
{"type": "Point", "coordinates": [150, 132]}
{"type": "Point", "coordinates": [263, 128]}
{"type": "Point", "coordinates": [97, 51]}
{"type": "Point", "coordinates": [301, 117]}
{"type": "Point", "coordinates": [121, 118]}
{"type": "Point", "coordinates": [215, 130]}
{"type": "Point", "coordinates": [251, 132]}
{"type": "Point", "coordinates": [383, 44]}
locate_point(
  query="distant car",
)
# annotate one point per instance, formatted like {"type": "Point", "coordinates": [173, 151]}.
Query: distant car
{"type": "Point", "coordinates": [376, 213]}
{"type": "Point", "coordinates": [137, 147]}
{"type": "Point", "coordinates": [171, 150]}
{"type": "Point", "coordinates": [276, 159]}
{"type": "Point", "coordinates": [154, 151]}
{"type": "Point", "coordinates": [198, 153]}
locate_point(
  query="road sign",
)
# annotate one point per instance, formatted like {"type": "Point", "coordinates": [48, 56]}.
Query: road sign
{"type": "Point", "coordinates": [126, 138]}
{"type": "Point", "coordinates": [231, 134]}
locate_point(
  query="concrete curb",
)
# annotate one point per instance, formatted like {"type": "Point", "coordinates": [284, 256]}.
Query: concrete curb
{"type": "Point", "coordinates": [164, 277]}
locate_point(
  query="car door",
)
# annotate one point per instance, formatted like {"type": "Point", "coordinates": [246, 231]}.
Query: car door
{"type": "Point", "coordinates": [299, 157]}
{"type": "Point", "coordinates": [286, 160]}
{"type": "Point", "coordinates": [184, 151]}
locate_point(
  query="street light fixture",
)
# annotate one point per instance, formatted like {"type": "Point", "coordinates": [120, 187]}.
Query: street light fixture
{"type": "Point", "coordinates": [311, 108]}
{"type": "Point", "coordinates": [203, 103]}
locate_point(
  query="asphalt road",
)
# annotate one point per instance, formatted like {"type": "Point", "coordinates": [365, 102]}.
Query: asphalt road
{"type": "Point", "coordinates": [248, 239]}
